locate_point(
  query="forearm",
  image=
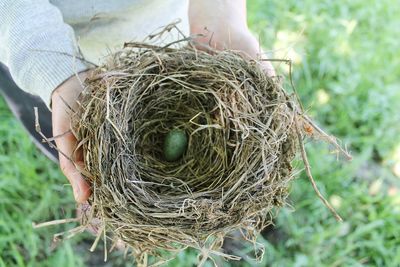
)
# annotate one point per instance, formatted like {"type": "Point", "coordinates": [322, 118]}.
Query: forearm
{"type": "Point", "coordinates": [217, 14]}
{"type": "Point", "coordinates": [222, 24]}
{"type": "Point", "coordinates": [37, 46]}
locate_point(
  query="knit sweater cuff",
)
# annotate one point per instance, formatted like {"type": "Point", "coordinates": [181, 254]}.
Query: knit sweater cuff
{"type": "Point", "coordinates": [49, 73]}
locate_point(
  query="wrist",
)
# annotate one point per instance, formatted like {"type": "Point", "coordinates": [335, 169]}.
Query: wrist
{"type": "Point", "coordinates": [69, 90]}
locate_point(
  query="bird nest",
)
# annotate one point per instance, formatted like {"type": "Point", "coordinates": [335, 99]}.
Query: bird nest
{"type": "Point", "coordinates": [242, 133]}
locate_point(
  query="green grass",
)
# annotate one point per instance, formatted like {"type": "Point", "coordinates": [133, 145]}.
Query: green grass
{"type": "Point", "coordinates": [31, 190]}
{"type": "Point", "coordinates": [347, 73]}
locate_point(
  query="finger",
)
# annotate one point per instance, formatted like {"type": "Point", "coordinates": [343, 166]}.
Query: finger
{"type": "Point", "coordinates": [80, 187]}
{"type": "Point", "coordinates": [268, 68]}
{"type": "Point", "coordinates": [66, 143]}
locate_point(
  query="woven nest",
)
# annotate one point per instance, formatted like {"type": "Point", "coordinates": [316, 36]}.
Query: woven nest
{"type": "Point", "coordinates": [236, 169]}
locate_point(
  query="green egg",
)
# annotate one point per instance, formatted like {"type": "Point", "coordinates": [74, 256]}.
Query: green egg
{"type": "Point", "coordinates": [175, 145]}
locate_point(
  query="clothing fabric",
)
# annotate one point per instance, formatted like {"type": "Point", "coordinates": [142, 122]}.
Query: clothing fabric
{"type": "Point", "coordinates": [22, 105]}
{"type": "Point", "coordinates": [44, 42]}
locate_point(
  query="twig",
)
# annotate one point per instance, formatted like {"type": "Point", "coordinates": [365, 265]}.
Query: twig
{"type": "Point", "coordinates": [45, 139]}
{"type": "Point", "coordinates": [329, 138]}
{"type": "Point", "coordinates": [309, 175]}
{"type": "Point", "coordinates": [301, 112]}
{"type": "Point", "coordinates": [58, 136]}
{"type": "Point", "coordinates": [65, 54]}
{"type": "Point", "coordinates": [55, 222]}
{"type": "Point", "coordinates": [289, 62]}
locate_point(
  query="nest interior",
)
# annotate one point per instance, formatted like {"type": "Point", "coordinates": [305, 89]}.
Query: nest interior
{"type": "Point", "coordinates": [237, 165]}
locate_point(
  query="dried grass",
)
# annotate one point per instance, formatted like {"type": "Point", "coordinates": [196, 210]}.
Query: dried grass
{"type": "Point", "coordinates": [243, 128]}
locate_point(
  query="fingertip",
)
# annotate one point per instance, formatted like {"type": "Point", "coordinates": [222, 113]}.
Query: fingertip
{"type": "Point", "coordinates": [81, 189]}
{"type": "Point", "coordinates": [86, 193]}
{"type": "Point", "coordinates": [82, 196]}
{"type": "Point", "coordinates": [268, 68]}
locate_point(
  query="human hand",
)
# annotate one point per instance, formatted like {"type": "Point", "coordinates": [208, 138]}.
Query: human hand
{"type": "Point", "coordinates": [222, 24]}
{"type": "Point", "coordinates": [63, 98]}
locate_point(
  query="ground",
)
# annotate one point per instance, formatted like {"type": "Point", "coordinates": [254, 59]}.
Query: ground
{"type": "Point", "coordinates": [347, 73]}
